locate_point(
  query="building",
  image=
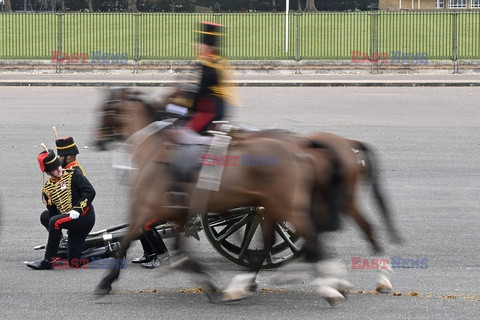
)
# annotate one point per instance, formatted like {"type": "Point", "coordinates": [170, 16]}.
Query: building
{"type": "Point", "coordinates": [396, 5]}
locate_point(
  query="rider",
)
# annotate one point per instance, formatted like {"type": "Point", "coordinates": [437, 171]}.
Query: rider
{"type": "Point", "coordinates": [213, 94]}
{"type": "Point", "coordinates": [211, 99]}
{"type": "Point", "coordinates": [68, 196]}
{"type": "Point", "coordinates": [208, 105]}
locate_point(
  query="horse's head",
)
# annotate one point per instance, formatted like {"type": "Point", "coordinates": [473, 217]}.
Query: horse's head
{"type": "Point", "coordinates": [113, 117]}
{"type": "Point", "coordinates": [123, 113]}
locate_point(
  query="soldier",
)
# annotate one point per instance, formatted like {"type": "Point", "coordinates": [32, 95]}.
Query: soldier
{"type": "Point", "coordinates": [213, 94]}
{"type": "Point", "coordinates": [68, 196]}
{"type": "Point", "coordinates": [67, 153]}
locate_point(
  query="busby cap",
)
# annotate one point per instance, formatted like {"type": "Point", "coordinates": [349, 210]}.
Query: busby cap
{"type": "Point", "coordinates": [210, 33]}
{"type": "Point", "coordinates": [66, 146]}
{"type": "Point", "coordinates": [48, 161]}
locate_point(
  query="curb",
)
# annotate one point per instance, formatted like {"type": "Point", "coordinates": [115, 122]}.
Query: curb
{"type": "Point", "coordinates": [247, 83]}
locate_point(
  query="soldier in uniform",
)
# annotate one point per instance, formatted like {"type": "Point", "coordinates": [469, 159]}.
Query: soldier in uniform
{"type": "Point", "coordinates": [210, 102]}
{"type": "Point", "coordinates": [213, 95]}
{"type": "Point", "coordinates": [68, 196]}
{"type": "Point", "coordinates": [67, 154]}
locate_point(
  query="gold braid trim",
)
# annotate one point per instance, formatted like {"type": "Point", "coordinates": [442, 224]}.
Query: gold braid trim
{"type": "Point", "coordinates": [81, 168]}
{"type": "Point", "coordinates": [66, 147]}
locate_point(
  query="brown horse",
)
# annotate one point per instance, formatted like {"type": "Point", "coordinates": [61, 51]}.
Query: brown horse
{"type": "Point", "coordinates": [282, 188]}
{"type": "Point", "coordinates": [353, 161]}
{"type": "Point", "coordinates": [357, 161]}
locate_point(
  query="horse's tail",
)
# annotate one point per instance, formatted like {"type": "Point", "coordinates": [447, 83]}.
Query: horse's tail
{"type": "Point", "coordinates": [335, 194]}
{"type": "Point", "coordinates": [371, 167]}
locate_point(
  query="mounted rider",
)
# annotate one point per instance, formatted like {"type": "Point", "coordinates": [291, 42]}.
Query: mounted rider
{"type": "Point", "coordinates": [214, 94]}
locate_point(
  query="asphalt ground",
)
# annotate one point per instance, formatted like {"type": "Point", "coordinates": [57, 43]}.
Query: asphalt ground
{"type": "Point", "coordinates": [427, 141]}
{"type": "Point", "coordinates": [249, 78]}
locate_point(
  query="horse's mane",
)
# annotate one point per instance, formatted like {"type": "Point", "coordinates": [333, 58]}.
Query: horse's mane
{"type": "Point", "coordinates": [152, 111]}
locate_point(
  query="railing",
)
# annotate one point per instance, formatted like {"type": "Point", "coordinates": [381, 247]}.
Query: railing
{"type": "Point", "coordinates": [352, 36]}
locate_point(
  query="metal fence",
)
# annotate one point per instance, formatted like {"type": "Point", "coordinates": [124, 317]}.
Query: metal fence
{"type": "Point", "coordinates": [353, 36]}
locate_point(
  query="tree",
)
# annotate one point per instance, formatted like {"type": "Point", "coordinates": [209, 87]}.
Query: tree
{"type": "Point", "coordinates": [310, 6]}
{"type": "Point", "coordinates": [52, 5]}
{"type": "Point", "coordinates": [132, 6]}
{"type": "Point", "coordinates": [90, 6]}
{"type": "Point", "coordinates": [299, 5]}
{"type": "Point", "coordinates": [8, 6]}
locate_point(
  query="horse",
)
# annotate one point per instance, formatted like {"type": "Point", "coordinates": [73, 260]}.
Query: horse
{"type": "Point", "coordinates": [282, 189]}
{"type": "Point", "coordinates": [354, 161]}
{"type": "Point", "coordinates": [358, 161]}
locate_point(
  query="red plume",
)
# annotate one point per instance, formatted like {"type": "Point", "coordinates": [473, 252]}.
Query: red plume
{"type": "Point", "coordinates": [41, 157]}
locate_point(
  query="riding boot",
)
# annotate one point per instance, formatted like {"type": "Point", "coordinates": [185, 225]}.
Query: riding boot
{"type": "Point", "coordinates": [156, 241]}
{"type": "Point", "coordinates": [148, 252]}
{"type": "Point", "coordinates": [161, 252]}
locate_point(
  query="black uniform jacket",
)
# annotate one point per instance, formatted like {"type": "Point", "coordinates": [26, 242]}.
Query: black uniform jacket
{"type": "Point", "coordinates": [72, 191]}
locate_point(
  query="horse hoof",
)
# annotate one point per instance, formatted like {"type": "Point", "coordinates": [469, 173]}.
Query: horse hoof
{"type": "Point", "coordinates": [240, 287]}
{"type": "Point", "coordinates": [383, 289]}
{"type": "Point", "coordinates": [333, 301]}
{"type": "Point", "coordinates": [235, 295]}
{"type": "Point", "coordinates": [103, 289]}
{"type": "Point", "coordinates": [343, 285]}
{"type": "Point", "coordinates": [344, 293]}
{"type": "Point", "coordinates": [384, 286]}
{"type": "Point", "coordinates": [239, 294]}
{"type": "Point", "coordinates": [330, 294]}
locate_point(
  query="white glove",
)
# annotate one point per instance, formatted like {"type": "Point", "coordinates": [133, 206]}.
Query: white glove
{"type": "Point", "coordinates": [73, 214]}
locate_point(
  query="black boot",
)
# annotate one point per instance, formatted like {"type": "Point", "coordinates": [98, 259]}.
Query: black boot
{"type": "Point", "coordinates": [40, 264]}
{"type": "Point", "coordinates": [145, 258]}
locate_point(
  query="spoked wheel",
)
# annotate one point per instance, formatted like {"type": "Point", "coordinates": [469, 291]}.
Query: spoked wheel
{"type": "Point", "coordinates": [237, 234]}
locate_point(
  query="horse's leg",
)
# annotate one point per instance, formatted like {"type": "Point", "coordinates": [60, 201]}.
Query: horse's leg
{"type": "Point", "coordinates": [383, 282]}
{"type": "Point", "coordinates": [105, 285]}
{"type": "Point", "coordinates": [326, 284]}
{"type": "Point", "coordinates": [371, 168]}
{"type": "Point", "coordinates": [365, 226]}
{"type": "Point", "coordinates": [243, 284]}
{"type": "Point", "coordinates": [184, 262]}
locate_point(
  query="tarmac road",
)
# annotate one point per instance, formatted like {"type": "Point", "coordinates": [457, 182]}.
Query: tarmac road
{"type": "Point", "coordinates": [427, 140]}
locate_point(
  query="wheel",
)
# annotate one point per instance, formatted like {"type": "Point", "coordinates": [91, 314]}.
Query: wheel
{"type": "Point", "coordinates": [237, 233]}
